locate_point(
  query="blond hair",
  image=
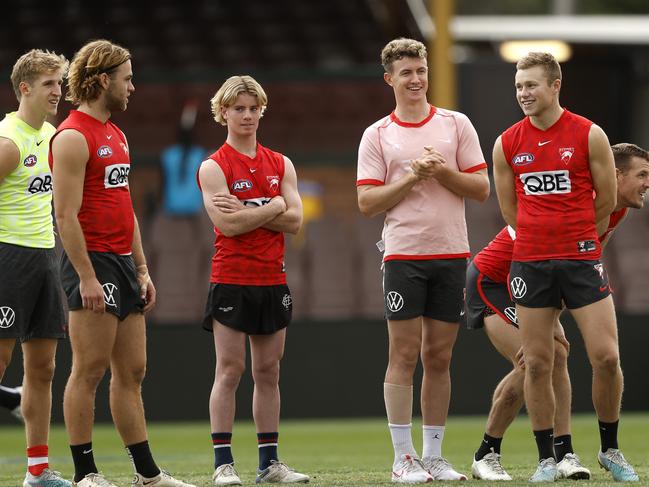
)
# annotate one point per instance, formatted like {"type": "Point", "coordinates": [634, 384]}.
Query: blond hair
{"type": "Point", "coordinates": [34, 63]}
{"type": "Point", "coordinates": [88, 64]}
{"type": "Point", "coordinates": [399, 48]}
{"type": "Point", "coordinates": [544, 59]}
{"type": "Point", "coordinates": [233, 87]}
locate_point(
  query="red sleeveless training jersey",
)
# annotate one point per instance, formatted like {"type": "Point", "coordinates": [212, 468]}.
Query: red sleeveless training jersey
{"type": "Point", "coordinates": [554, 189]}
{"type": "Point", "coordinates": [255, 258]}
{"type": "Point", "coordinates": [495, 259]}
{"type": "Point", "coordinates": [106, 213]}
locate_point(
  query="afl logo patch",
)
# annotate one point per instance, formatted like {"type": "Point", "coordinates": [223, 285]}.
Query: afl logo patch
{"type": "Point", "coordinates": [523, 159]}
{"type": "Point", "coordinates": [30, 160]}
{"type": "Point", "coordinates": [104, 151]}
{"type": "Point", "coordinates": [241, 185]}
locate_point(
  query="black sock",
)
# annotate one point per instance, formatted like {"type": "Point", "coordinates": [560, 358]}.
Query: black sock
{"type": "Point", "coordinates": [222, 448]}
{"type": "Point", "coordinates": [140, 455]}
{"type": "Point", "coordinates": [608, 434]}
{"type": "Point", "coordinates": [544, 442]}
{"type": "Point", "coordinates": [9, 398]}
{"type": "Point", "coordinates": [84, 461]}
{"type": "Point", "coordinates": [562, 446]}
{"type": "Point", "coordinates": [489, 444]}
{"type": "Point", "coordinates": [267, 443]}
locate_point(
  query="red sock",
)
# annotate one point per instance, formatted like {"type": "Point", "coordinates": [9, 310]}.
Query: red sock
{"type": "Point", "coordinates": [37, 459]}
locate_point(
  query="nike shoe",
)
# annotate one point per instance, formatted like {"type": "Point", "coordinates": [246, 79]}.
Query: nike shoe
{"type": "Point", "coordinates": [613, 461]}
{"type": "Point", "coordinates": [17, 412]}
{"type": "Point", "coordinates": [281, 473]}
{"type": "Point", "coordinates": [440, 469]}
{"type": "Point", "coordinates": [48, 478]}
{"type": "Point", "coordinates": [409, 469]}
{"type": "Point", "coordinates": [571, 468]}
{"type": "Point", "coordinates": [546, 471]}
{"type": "Point", "coordinates": [489, 468]}
{"type": "Point", "coordinates": [93, 480]}
{"type": "Point", "coordinates": [226, 474]}
{"type": "Point", "coordinates": [163, 479]}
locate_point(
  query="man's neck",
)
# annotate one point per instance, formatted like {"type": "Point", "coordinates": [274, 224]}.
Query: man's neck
{"type": "Point", "coordinates": [31, 117]}
{"type": "Point", "coordinates": [548, 118]}
{"type": "Point", "coordinates": [412, 112]}
{"type": "Point", "coordinates": [244, 145]}
{"type": "Point", "coordinates": [96, 109]}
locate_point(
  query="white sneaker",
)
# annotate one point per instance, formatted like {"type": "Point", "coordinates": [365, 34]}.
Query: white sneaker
{"type": "Point", "coordinates": [17, 412]}
{"type": "Point", "coordinates": [48, 478]}
{"type": "Point", "coordinates": [613, 461]}
{"type": "Point", "coordinates": [163, 479]}
{"type": "Point", "coordinates": [440, 469]}
{"type": "Point", "coordinates": [226, 474]}
{"type": "Point", "coordinates": [571, 468]}
{"type": "Point", "coordinates": [93, 480]}
{"type": "Point", "coordinates": [546, 471]}
{"type": "Point", "coordinates": [489, 468]}
{"type": "Point", "coordinates": [281, 473]}
{"type": "Point", "coordinates": [410, 470]}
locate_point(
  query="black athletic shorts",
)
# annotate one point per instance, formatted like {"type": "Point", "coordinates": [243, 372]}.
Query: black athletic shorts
{"type": "Point", "coordinates": [485, 297]}
{"type": "Point", "coordinates": [254, 310]}
{"type": "Point", "coordinates": [31, 302]}
{"type": "Point", "coordinates": [116, 274]}
{"type": "Point", "coordinates": [431, 288]}
{"type": "Point", "coordinates": [548, 283]}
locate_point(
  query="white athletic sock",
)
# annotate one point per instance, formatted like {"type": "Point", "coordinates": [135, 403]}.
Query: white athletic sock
{"type": "Point", "coordinates": [402, 440]}
{"type": "Point", "coordinates": [433, 437]}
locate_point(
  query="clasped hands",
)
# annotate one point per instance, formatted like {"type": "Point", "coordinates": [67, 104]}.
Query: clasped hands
{"type": "Point", "coordinates": [429, 165]}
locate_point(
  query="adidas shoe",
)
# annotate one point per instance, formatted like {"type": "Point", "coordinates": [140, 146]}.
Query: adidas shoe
{"type": "Point", "coordinates": [613, 461]}
{"type": "Point", "coordinates": [489, 468]}
{"type": "Point", "coordinates": [546, 471]}
{"type": "Point", "coordinates": [571, 468]}
{"type": "Point", "coordinates": [281, 473]}
{"type": "Point", "coordinates": [48, 478]}
{"type": "Point", "coordinates": [409, 469]}
{"type": "Point", "coordinates": [226, 474]}
{"type": "Point", "coordinates": [163, 479]}
{"type": "Point", "coordinates": [93, 480]}
{"type": "Point", "coordinates": [440, 469]}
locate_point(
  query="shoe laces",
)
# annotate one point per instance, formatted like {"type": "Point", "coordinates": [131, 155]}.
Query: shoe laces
{"type": "Point", "coordinates": [572, 458]}
{"type": "Point", "coordinates": [227, 470]}
{"type": "Point", "coordinates": [281, 466]}
{"type": "Point", "coordinates": [493, 461]}
{"type": "Point", "coordinates": [99, 479]}
{"type": "Point", "coordinates": [439, 465]}
{"type": "Point", "coordinates": [616, 457]}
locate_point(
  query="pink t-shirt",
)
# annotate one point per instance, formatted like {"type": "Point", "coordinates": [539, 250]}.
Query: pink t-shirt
{"type": "Point", "coordinates": [429, 222]}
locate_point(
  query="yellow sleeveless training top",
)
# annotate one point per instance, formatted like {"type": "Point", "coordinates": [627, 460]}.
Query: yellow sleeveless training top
{"type": "Point", "coordinates": [26, 193]}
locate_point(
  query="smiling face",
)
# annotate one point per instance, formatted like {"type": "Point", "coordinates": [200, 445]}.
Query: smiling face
{"type": "Point", "coordinates": [633, 183]}
{"type": "Point", "coordinates": [408, 77]}
{"type": "Point", "coordinates": [43, 93]}
{"type": "Point", "coordinates": [242, 117]}
{"type": "Point", "coordinates": [534, 92]}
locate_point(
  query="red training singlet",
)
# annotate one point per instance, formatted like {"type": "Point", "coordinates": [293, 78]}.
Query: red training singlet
{"type": "Point", "coordinates": [255, 258]}
{"type": "Point", "coordinates": [495, 259]}
{"type": "Point", "coordinates": [554, 189]}
{"type": "Point", "coordinates": [106, 213]}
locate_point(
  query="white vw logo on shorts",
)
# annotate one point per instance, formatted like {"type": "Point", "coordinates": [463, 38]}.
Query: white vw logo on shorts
{"type": "Point", "coordinates": [519, 288]}
{"type": "Point", "coordinates": [7, 317]}
{"type": "Point", "coordinates": [511, 315]}
{"type": "Point", "coordinates": [394, 300]}
{"type": "Point", "coordinates": [109, 294]}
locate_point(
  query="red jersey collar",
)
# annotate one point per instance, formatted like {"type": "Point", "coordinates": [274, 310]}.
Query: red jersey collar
{"type": "Point", "coordinates": [431, 113]}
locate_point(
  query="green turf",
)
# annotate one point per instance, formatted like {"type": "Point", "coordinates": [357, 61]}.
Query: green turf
{"type": "Point", "coordinates": [333, 452]}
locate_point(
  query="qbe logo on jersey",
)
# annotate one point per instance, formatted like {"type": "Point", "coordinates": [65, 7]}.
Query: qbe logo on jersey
{"type": "Point", "coordinates": [546, 182]}
{"type": "Point", "coordinates": [39, 184]}
{"type": "Point", "coordinates": [116, 175]}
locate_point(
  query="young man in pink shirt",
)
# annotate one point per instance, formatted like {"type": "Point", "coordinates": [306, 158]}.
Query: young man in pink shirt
{"type": "Point", "coordinates": [417, 165]}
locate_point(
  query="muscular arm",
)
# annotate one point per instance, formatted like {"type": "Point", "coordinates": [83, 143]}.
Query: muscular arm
{"type": "Point", "coordinates": [467, 185]}
{"type": "Point", "coordinates": [291, 220]}
{"type": "Point", "coordinates": [9, 157]}
{"type": "Point", "coordinates": [70, 155]}
{"type": "Point", "coordinates": [602, 170]}
{"type": "Point", "coordinates": [224, 212]}
{"type": "Point", "coordinates": [505, 188]}
{"type": "Point", "coordinates": [373, 200]}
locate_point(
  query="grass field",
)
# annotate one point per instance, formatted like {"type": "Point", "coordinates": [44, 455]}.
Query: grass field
{"type": "Point", "coordinates": [333, 452]}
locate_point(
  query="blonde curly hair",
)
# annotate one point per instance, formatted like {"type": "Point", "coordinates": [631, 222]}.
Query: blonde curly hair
{"type": "Point", "coordinates": [399, 48]}
{"type": "Point", "coordinates": [88, 64]}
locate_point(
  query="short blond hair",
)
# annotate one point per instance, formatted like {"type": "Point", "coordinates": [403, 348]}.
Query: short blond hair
{"type": "Point", "coordinates": [93, 59]}
{"type": "Point", "coordinates": [233, 87]}
{"type": "Point", "coordinates": [399, 48]}
{"type": "Point", "coordinates": [544, 59]}
{"type": "Point", "coordinates": [34, 63]}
